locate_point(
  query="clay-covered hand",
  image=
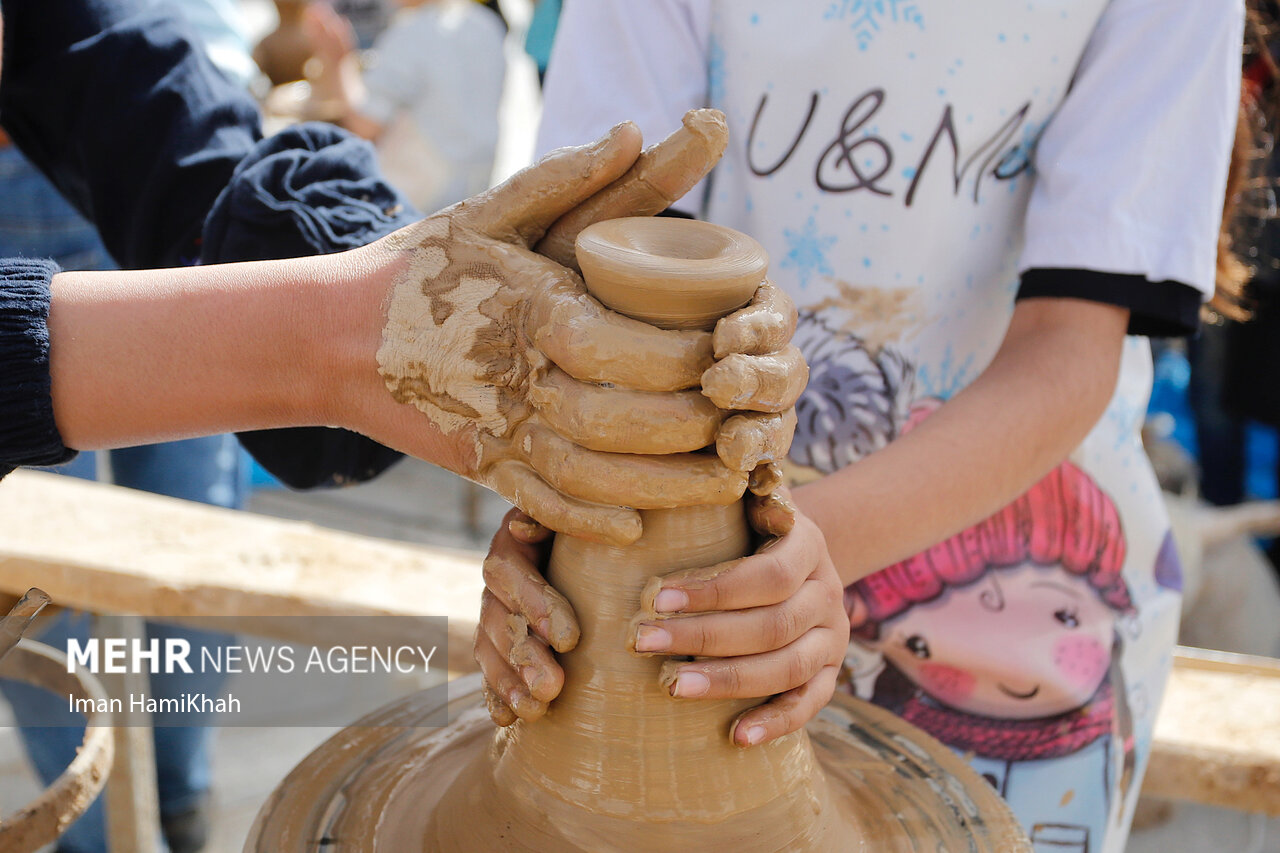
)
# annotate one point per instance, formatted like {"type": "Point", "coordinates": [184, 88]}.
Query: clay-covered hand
{"type": "Point", "coordinates": [548, 398]}
{"type": "Point", "coordinates": [771, 624]}
{"type": "Point", "coordinates": [522, 619]}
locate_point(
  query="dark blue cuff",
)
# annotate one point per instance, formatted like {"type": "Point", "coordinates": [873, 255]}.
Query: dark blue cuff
{"type": "Point", "coordinates": [28, 434]}
{"type": "Point", "coordinates": [309, 190]}
{"type": "Point", "coordinates": [312, 189]}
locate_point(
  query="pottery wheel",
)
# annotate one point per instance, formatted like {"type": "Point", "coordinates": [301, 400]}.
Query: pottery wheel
{"type": "Point", "coordinates": [374, 786]}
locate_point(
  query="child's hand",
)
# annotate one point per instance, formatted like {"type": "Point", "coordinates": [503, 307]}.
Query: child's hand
{"type": "Point", "coordinates": [775, 619]}
{"type": "Point", "coordinates": [772, 623]}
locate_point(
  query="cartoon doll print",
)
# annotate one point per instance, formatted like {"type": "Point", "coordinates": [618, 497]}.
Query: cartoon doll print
{"type": "Point", "coordinates": [1002, 641]}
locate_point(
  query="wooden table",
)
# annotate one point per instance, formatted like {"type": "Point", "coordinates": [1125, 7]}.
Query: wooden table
{"type": "Point", "coordinates": [118, 551]}
{"type": "Point", "coordinates": [107, 549]}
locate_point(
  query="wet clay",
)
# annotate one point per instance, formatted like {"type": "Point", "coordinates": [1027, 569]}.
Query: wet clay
{"type": "Point", "coordinates": [508, 355]}
{"type": "Point", "coordinates": [686, 277]}
{"type": "Point", "coordinates": [375, 787]}
{"type": "Point", "coordinates": [661, 175]}
{"type": "Point", "coordinates": [616, 763]}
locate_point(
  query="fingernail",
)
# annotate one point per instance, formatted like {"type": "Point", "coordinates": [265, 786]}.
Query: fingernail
{"type": "Point", "coordinates": [690, 683]}
{"type": "Point", "coordinates": [755, 734]}
{"type": "Point", "coordinates": [670, 600]}
{"type": "Point", "coordinates": [544, 628]}
{"type": "Point", "coordinates": [531, 675]}
{"type": "Point", "coordinates": [651, 638]}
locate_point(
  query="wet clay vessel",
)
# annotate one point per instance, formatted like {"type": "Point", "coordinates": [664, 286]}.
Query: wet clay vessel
{"type": "Point", "coordinates": [617, 764]}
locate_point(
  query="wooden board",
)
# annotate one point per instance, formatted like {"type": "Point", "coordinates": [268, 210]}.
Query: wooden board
{"type": "Point", "coordinates": [1217, 738]}
{"type": "Point", "coordinates": [104, 548]}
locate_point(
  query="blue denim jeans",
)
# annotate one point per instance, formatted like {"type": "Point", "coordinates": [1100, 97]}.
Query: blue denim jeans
{"type": "Point", "coordinates": [209, 470]}
{"type": "Point", "coordinates": [36, 221]}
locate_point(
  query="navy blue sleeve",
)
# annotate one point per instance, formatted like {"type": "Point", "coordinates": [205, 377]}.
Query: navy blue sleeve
{"type": "Point", "coordinates": [28, 435]}
{"type": "Point", "coordinates": [112, 100]}
{"type": "Point", "coordinates": [309, 190]}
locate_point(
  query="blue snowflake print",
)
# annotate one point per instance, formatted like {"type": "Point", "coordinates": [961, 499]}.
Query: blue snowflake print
{"type": "Point", "coordinates": [868, 17]}
{"type": "Point", "coordinates": [1125, 417]}
{"type": "Point", "coordinates": [715, 72]}
{"type": "Point", "coordinates": [949, 379]}
{"type": "Point", "coordinates": [807, 251]}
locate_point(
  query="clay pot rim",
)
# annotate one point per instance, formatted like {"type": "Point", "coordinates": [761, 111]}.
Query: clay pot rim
{"type": "Point", "coordinates": [732, 256]}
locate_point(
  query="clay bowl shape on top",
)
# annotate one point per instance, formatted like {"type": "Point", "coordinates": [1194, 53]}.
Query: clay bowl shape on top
{"type": "Point", "coordinates": [673, 273]}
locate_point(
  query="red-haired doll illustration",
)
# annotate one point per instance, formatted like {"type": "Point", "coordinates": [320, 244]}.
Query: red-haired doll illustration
{"type": "Point", "coordinates": [1000, 641]}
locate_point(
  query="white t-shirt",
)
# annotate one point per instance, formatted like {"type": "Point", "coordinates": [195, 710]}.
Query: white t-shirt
{"type": "Point", "coordinates": [911, 166]}
{"type": "Point", "coordinates": [434, 84]}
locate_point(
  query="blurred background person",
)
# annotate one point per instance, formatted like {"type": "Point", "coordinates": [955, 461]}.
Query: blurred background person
{"type": "Point", "coordinates": [428, 99]}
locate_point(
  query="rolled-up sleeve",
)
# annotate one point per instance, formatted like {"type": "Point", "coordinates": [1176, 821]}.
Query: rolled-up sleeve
{"type": "Point", "coordinates": [28, 434]}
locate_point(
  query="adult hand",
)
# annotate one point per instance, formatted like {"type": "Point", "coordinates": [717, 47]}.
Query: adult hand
{"type": "Point", "coordinates": [769, 624]}
{"type": "Point", "coordinates": [536, 389]}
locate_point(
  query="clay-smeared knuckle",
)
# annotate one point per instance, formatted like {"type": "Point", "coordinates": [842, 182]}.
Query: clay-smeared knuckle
{"type": "Point", "coordinates": [757, 383]}
{"type": "Point", "coordinates": [763, 326]}
{"type": "Point", "coordinates": [765, 479]}
{"type": "Point", "coordinates": [617, 420]}
{"type": "Point", "coordinates": [730, 381]}
{"type": "Point", "coordinates": [751, 439]}
{"type": "Point", "coordinates": [740, 443]}
{"type": "Point", "coordinates": [501, 715]}
{"type": "Point", "coordinates": [650, 482]}
{"type": "Point", "coordinates": [781, 429]}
